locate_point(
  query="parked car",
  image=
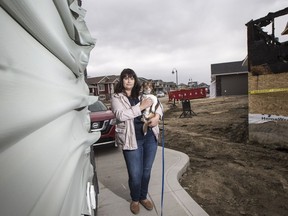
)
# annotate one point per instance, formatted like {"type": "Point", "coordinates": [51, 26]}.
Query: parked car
{"type": "Point", "coordinates": [160, 94]}
{"type": "Point", "coordinates": [102, 119]}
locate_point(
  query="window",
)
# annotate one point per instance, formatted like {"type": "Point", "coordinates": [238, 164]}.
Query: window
{"type": "Point", "coordinates": [101, 87]}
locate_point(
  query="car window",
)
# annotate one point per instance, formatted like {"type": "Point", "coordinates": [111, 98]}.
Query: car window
{"type": "Point", "coordinates": [97, 107]}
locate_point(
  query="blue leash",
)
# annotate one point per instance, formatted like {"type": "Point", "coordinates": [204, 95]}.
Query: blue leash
{"type": "Point", "coordinates": [162, 192]}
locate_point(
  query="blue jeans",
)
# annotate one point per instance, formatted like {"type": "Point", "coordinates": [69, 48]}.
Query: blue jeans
{"type": "Point", "coordinates": [139, 164]}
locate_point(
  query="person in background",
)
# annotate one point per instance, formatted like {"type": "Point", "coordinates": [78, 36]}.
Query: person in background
{"type": "Point", "coordinates": [139, 150]}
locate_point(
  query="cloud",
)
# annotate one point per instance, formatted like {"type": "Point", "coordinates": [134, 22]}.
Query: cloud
{"type": "Point", "coordinates": [155, 36]}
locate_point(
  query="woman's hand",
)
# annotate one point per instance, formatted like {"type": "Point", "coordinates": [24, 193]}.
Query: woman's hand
{"type": "Point", "coordinates": [154, 120]}
{"type": "Point", "coordinates": [147, 102]}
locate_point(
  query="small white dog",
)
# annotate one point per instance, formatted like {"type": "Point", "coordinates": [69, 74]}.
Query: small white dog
{"type": "Point", "coordinates": [149, 112]}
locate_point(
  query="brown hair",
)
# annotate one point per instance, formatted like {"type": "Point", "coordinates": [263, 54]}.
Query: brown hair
{"type": "Point", "coordinates": [127, 72]}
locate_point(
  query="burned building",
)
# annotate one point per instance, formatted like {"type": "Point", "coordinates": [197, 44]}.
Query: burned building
{"type": "Point", "coordinates": [266, 54]}
{"type": "Point", "coordinates": [268, 82]}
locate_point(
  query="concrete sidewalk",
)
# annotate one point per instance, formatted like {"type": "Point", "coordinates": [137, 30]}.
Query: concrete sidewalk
{"type": "Point", "coordinates": [114, 198]}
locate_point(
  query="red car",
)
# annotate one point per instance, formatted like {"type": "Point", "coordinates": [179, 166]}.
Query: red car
{"type": "Point", "coordinates": [102, 119]}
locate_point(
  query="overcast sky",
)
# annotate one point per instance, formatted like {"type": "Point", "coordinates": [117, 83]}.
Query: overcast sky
{"type": "Point", "coordinates": [154, 36]}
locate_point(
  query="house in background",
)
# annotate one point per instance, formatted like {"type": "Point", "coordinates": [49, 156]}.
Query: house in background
{"type": "Point", "coordinates": [169, 86]}
{"type": "Point", "coordinates": [229, 78]}
{"type": "Point", "coordinates": [142, 79]}
{"type": "Point", "coordinates": [182, 86]}
{"type": "Point", "coordinates": [102, 86]}
{"type": "Point", "coordinates": [158, 85]}
{"type": "Point", "coordinates": [193, 84]}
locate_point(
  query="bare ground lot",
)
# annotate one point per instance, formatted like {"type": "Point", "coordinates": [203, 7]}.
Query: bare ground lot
{"type": "Point", "coordinates": [227, 175]}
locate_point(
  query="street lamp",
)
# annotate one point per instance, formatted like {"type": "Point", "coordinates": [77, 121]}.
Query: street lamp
{"type": "Point", "coordinates": [176, 72]}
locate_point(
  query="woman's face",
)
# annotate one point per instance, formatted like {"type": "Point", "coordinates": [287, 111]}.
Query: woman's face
{"type": "Point", "coordinates": [128, 83]}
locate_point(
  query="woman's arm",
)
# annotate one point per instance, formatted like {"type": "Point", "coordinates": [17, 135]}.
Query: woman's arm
{"type": "Point", "coordinates": [154, 121]}
{"type": "Point", "coordinates": [158, 115]}
{"type": "Point", "coordinates": [123, 110]}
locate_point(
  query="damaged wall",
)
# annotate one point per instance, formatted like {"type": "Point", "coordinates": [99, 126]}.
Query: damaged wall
{"type": "Point", "coordinates": [268, 110]}
{"type": "Point", "coordinates": [268, 84]}
{"type": "Point", "coordinates": [44, 132]}
{"type": "Point", "coordinates": [268, 94]}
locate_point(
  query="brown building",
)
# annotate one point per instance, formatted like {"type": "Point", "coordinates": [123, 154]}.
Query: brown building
{"type": "Point", "coordinates": [102, 86]}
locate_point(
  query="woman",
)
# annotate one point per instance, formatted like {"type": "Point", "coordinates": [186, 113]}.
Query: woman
{"type": "Point", "coordinates": [139, 151]}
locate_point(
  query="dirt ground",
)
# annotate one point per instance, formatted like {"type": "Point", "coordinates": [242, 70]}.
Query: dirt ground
{"type": "Point", "coordinates": [227, 175]}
